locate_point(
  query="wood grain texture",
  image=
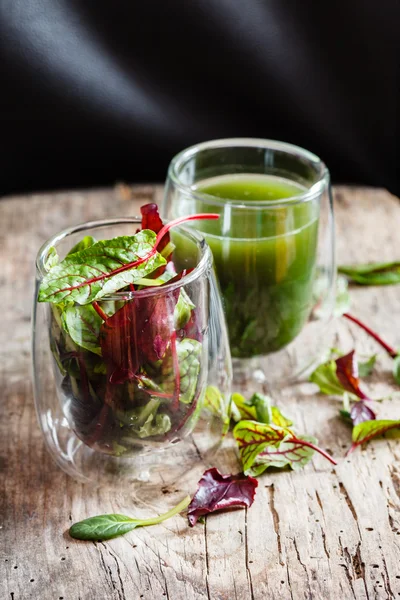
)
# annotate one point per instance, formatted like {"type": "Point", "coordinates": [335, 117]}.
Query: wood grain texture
{"type": "Point", "coordinates": [318, 534]}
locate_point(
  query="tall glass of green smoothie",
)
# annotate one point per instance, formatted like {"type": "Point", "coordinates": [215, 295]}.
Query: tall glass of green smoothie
{"type": "Point", "coordinates": [272, 243]}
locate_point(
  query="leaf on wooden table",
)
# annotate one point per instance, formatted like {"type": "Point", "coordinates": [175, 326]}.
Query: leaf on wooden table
{"type": "Point", "coordinates": [218, 492]}
{"type": "Point", "coordinates": [373, 273]}
{"type": "Point", "coordinates": [368, 430]}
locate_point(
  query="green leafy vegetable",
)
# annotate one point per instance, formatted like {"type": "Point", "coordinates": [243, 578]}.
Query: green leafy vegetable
{"type": "Point", "coordinates": [373, 273]}
{"type": "Point", "coordinates": [106, 527]}
{"type": "Point", "coordinates": [214, 401]}
{"type": "Point", "coordinates": [83, 324]}
{"type": "Point", "coordinates": [262, 446]}
{"type": "Point", "coordinates": [183, 310]}
{"type": "Point", "coordinates": [51, 259]}
{"type": "Point", "coordinates": [84, 243]}
{"type": "Point", "coordinates": [103, 268]}
{"type": "Point", "coordinates": [366, 368]}
{"type": "Point", "coordinates": [189, 352]}
{"type": "Point", "coordinates": [396, 369]}
{"type": "Point", "coordinates": [326, 379]}
{"type": "Point", "coordinates": [368, 430]}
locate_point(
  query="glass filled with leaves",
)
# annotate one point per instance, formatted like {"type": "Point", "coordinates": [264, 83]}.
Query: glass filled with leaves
{"type": "Point", "coordinates": [273, 247]}
{"type": "Point", "coordinates": [130, 349]}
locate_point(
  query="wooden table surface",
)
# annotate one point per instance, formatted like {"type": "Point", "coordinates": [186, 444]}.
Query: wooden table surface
{"type": "Point", "coordinates": [318, 534]}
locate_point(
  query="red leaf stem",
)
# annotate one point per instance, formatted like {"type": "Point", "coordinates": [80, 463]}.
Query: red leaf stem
{"type": "Point", "coordinates": [295, 440]}
{"type": "Point", "coordinates": [99, 311]}
{"type": "Point", "coordinates": [391, 351]}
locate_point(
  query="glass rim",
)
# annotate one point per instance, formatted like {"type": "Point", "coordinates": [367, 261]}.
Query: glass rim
{"type": "Point", "coordinates": [315, 190]}
{"type": "Point", "coordinates": [205, 261]}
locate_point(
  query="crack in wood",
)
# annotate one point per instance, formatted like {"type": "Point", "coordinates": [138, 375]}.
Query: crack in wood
{"type": "Point", "coordinates": [164, 577]}
{"type": "Point", "coordinates": [386, 579]}
{"type": "Point", "coordinates": [350, 504]}
{"type": "Point", "coordinates": [207, 563]}
{"type": "Point", "coordinates": [246, 556]}
{"type": "Point", "coordinates": [346, 556]}
{"type": "Point", "coordinates": [303, 565]}
{"type": "Point", "coordinates": [275, 517]}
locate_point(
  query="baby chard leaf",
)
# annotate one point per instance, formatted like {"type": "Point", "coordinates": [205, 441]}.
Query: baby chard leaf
{"type": "Point", "coordinates": [396, 369]}
{"type": "Point", "coordinates": [292, 453]}
{"type": "Point", "coordinates": [326, 379]}
{"type": "Point", "coordinates": [373, 273]}
{"type": "Point", "coordinates": [214, 402]}
{"type": "Point", "coordinates": [106, 527]}
{"type": "Point", "coordinates": [183, 310]}
{"type": "Point", "coordinates": [83, 324]}
{"type": "Point", "coordinates": [368, 430]}
{"type": "Point", "coordinates": [347, 374]}
{"type": "Point", "coordinates": [217, 492]}
{"type": "Point", "coordinates": [257, 440]}
{"type": "Point", "coordinates": [366, 368]}
{"type": "Point", "coordinates": [103, 268]}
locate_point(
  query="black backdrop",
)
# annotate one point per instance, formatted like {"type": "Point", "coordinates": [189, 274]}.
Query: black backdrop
{"type": "Point", "coordinates": [98, 91]}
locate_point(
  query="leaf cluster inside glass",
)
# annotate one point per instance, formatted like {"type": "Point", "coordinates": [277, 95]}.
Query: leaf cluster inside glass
{"type": "Point", "coordinates": [130, 363]}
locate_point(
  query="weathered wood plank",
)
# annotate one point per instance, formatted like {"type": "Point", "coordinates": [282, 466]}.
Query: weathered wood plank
{"type": "Point", "coordinates": [321, 533]}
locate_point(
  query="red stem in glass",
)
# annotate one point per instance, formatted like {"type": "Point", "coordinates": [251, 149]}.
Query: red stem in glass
{"type": "Point", "coordinates": [99, 311]}
{"type": "Point", "coordinates": [391, 351]}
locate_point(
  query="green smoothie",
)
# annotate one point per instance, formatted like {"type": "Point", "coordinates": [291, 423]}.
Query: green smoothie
{"type": "Point", "coordinates": [265, 258]}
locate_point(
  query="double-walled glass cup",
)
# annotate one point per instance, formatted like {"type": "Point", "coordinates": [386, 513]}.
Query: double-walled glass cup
{"type": "Point", "coordinates": [273, 247]}
{"type": "Point", "coordinates": [135, 388]}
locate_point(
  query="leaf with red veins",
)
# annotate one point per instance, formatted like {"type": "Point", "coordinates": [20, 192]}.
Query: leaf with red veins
{"type": "Point", "coordinates": [219, 492]}
{"type": "Point", "coordinates": [368, 430]}
{"type": "Point", "coordinates": [347, 373]}
{"type": "Point", "coordinates": [257, 440]}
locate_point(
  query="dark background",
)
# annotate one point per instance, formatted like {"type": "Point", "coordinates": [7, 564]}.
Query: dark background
{"type": "Point", "coordinates": [99, 91]}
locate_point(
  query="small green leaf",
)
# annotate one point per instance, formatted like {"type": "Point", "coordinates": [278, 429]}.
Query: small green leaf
{"type": "Point", "coordinates": [253, 438]}
{"type": "Point", "coordinates": [183, 310]}
{"type": "Point", "coordinates": [368, 430]}
{"type": "Point", "coordinates": [366, 368]}
{"type": "Point", "coordinates": [158, 425]}
{"type": "Point", "coordinates": [189, 352]}
{"type": "Point", "coordinates": [215, 403]}
{"type": "Point", "coordinates": [51, 259]}
{"type": "Point", "coordinates": [373, 274]}
{"type": "Point", "coordinates": [106, 527]}
{"type": "Point", "coordinates": [83, 324]}
{"type": "Point", "coordinates": [94, 272]}
{"type": "Point", "coordinates": [396, 369]}
{"type": "Point", "coordinates": [84, 243]}
{"type": "Point", "coordinates": [326, 379]}
{"type": "Point", "coordinates": [287, 453]}
{"type": "Point", "coordinates": [280, 419]}
{"type": "Point", "coordinates": [242, 408]}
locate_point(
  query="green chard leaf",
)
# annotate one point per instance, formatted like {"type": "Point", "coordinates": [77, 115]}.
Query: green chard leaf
{"type": "Point", "coordinates": [368, 430]}
{"type": "Point", "coordinates": [366, 368]}
{"type": "Point", "coordinates": [396, 369]}
{"type": "Point", "coordinates": [51, 259]}
{"type": "Point", "coordinates": [106, 527]}
{"type": "Point", "coordinates": [83, 324]}
{"type": "Point", "coordinates": [287, 453]}
{"type": "Point", "coordinates": [84, 243]}
{"type": "Point", "coordinates": [188, 352]}
{"type": "Point", "coordinates": [94, 272]}
{"type": "Point", "coordinates": [183, 310]}
{"type": "Point", "coordinates": [214, 402]}
{"type": "Point", "coordinates": [262, 446]}
{"type": "Point", "coordinates": [258, 408]}
{"type": "Point", "coordinates": [326, 379]}
{"type": "Point", "coordinates": [253, 438]}
{"type": "Point", "coordinates": [373, 274]}
{"type": "Point", "coordinates": [158, 425]}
